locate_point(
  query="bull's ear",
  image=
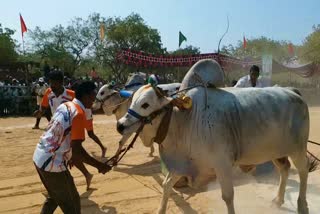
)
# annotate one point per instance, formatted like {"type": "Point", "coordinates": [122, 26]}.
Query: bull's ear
{"type": "Point", "coordinates": [163, 92]}
{"type": "Point", "coordinates": [159, 91]}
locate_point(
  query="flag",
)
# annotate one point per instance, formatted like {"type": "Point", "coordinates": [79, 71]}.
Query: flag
{"type": "Point", "coordinates": [23, 25]}
{"type": "Point", "coordinates": [244, 42]}
{"type": "Point", "coordinates": [101, 31]}
{"type": "Point", "coordinates": [290, 49]}
{"type": "Point", "coordinates": [181, 38]}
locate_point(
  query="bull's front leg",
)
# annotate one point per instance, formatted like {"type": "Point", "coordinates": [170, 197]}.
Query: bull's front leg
{"type": "Point", "coordinates": [167, 184]}
{"type": "Point", "coordinates": [122, 141]}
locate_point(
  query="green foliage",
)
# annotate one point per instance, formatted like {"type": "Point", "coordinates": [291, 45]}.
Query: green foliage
{"type": "Point", "coordinates": [8, 54]}
{"type": "Point", "coordinates": [311, 46]}
{"type": "Point", "coordinates": [258, 47]}
{"type": "Point", "coordinates": [189, 50]}
{"type": "Point", "coordinates": [77, 47]}
{"type": "Point", "coordinates": [128, 33]}
{"type": "Point", "coordinates": [73, 47]}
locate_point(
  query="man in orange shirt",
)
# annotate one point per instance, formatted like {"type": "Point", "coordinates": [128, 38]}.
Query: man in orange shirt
{"type": "Point", "coordinates": [59, 146]}
{"type": "Point", "coordinates": [56, 95]}
{"type": "Point", "coordinates": [89, 127]}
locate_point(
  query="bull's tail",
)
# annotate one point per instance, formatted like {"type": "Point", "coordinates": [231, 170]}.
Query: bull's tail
{"type": "Point", "coordinates": [314, 162]}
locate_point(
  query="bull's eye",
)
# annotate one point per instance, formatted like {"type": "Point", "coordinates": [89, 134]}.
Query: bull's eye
{"type": "Point", "coordinates": [145, 105]}
{"type": "Point", "coordinates": [102, 93]}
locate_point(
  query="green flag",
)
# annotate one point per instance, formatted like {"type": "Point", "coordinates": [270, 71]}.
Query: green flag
{"type": "Point", "coordinates": [181, 38]}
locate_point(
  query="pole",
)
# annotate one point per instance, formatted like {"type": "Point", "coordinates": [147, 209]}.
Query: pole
{"type": "Point", "coordinates": [24, 53]}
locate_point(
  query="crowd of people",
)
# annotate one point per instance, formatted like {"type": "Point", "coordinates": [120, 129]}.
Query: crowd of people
{"type": "Point", "coordinates": [19, 97]}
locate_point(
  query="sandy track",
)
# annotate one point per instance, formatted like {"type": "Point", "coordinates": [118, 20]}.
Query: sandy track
{"type": "Point", "coordinates": [134, 186]}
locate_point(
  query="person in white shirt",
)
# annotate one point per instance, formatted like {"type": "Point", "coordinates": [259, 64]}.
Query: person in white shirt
{"type": "Point", "coordinates": [55, 95]}
{"type": "Point", "coordinates": [60, 146]}
{"type": "Point", "coordinates": [252, 80]}
{"type": "Point", "coordinates": [40, 89]}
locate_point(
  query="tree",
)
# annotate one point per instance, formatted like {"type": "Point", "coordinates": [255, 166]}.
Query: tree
{"type": "Point", "coordinates": [257, 48]}
{"type": "Point", "coordinates": [128, 33]}
{"type": "Point", "coordinates": [8, 55]}
{"type": "Point", "coordinates": [51, 45]}
{"type": "Point", "coordinates": [176, 74]}
{"type": "Point", "coordinates": [189, 50]}
{"type": "Point", "coordinates": [311, 46]}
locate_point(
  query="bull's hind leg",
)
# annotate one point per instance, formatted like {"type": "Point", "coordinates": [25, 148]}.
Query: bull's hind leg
{"type": "Point", "coordinates": [224, 175]}
{"type": "Point", "coordinates": [283, 165]}
{"type": "Point", "coordinates": [302, 165]}
{"type": "Point", "coordinates": [151, 151]}
{"type": "Point", "coordinates": [167, 184]}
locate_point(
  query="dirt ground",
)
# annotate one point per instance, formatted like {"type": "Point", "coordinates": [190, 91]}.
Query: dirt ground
{"type": "Point", "coordinates": [134, 186]}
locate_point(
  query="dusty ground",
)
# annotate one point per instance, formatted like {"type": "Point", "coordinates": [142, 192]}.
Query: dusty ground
{"type": "Point", "coordinates": [134, 186]}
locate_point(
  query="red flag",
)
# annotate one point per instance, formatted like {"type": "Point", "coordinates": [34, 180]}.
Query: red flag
{"type": "Point", "coordinates": [23, 25]}
{"type": "Point", "coordinates": [244, 42]}
{"type": "Point", "coordinates": [290, 49]}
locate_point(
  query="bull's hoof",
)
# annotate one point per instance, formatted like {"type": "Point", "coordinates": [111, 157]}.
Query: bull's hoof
{"type": "Point", "coordinates": [88, 180]}
{"type": "Point", "coordinates": [182, 182]}
{"type": "Point", "coordinates": [303, 210]}
{"type": "Point", "coordinates": [278, 201]}
{"type": "Point", "coordinates": [302, 206]}
{"type": "Point", "coordinates": [161, 211]}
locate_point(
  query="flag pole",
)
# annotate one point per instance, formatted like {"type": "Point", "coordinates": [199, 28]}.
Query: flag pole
{"type": "Point", "coordinates": [23, 29]}
{"type": "Point", "coordinates": [179, 70]}
{"type": "Point", "coordinates": [178, 65]}
{"type": "Point", "coordinates": [23, 50]}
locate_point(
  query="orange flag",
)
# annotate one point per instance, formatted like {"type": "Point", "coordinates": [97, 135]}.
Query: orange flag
{"type": "Point", "coordinates": [244, 42]}
{"type": "Point", "coordinates": [102, 31]}
{"type": "Point", "coordinates": [23, 25]}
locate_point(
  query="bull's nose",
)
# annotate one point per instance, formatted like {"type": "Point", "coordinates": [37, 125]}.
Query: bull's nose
{"type": "Point", "coordinates": [120, 127]}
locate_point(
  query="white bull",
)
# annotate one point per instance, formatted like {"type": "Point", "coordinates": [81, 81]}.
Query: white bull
{"type": "Point", "coordinates": [112, 102]}
{"type": "Point", "coordinates": [237, 127]}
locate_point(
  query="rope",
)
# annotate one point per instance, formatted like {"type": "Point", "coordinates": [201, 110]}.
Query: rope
{"type": "Point", "coordinates": [145, 185]}
{"type": "Point", "coordinates": [191, 87]}
{"type": "Point", "coordinates": [315, 157]}
{"type": "Point", "coordinates": [310, 141]}
{"type": "Point", "coordinates": [126, 100]}
{"type": "Point", "coordinates": [124, 151]}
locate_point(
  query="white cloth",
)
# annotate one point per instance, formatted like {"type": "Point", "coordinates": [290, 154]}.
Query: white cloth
{"type": "Point", "coordinates": [244, 82]}
{"type": "Point", "coordinates": [88, 112]}
{"type": "Point", "coordinates": [55, 101]}
{"type": "Point", "coordinates": [40, 91]}
{"type": "Point", "coordinates": [54, 150]}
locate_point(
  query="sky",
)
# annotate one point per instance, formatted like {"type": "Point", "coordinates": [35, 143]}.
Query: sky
{"type": "Point", "coordinates": [202, 21]}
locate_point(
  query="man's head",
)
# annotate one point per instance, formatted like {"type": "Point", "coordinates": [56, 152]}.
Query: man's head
{"type": "Point", "coordinates": [41, 81]}
{"type": "Point", "coordinates": [56, 82]}
{"type": "Point", "coordinates": [86, 93]}
{"type": "Point", "coordinates": [254, 74]}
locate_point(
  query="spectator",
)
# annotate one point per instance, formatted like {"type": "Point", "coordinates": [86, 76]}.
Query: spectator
{"type": "Point", "coordinates": [40, 90]}
{"type": "Point", "coordinates": [252, 80]}
{"type": "Point", "coordinates": [93, 74]}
